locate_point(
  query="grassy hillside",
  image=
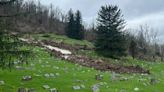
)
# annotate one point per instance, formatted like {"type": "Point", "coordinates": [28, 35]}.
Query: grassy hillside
{"type": "Point", "coordinates": [67, 75]}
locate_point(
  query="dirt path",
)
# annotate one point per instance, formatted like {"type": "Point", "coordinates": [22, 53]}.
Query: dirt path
{"type": "Point", "coordinates": [84, 60]}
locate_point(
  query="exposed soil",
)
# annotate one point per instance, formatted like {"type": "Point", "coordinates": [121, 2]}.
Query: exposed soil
{"type": "Point", "coordinates": [94, 63]}
{"type": "Point", "coordinates": [73, 48]}
{"type": "Point", "coordinates": [87, 61]}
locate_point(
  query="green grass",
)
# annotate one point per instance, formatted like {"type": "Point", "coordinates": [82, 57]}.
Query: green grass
{"type": "Point", "coordinates": [66, 80]}
{"type": "Point", "coordinates": [60, 38]}
{"type": "Point", "coordinates": [44, 63]}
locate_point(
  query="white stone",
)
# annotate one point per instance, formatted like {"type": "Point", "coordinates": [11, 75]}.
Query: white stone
{"type": "Point", "coordinates": [76, 87]}
{"type": "Point", "coordinates": [136, 89]}
{"type": "Point", "coordinates": [52, 75]}
{"type": "Point", "coordinates": [46, 87]}
{"type": "Point", "coordinates": [46, 75]}
{"type": "Point", "coordinates": [95, 88]}
{"type": "Point", "coordinates": [53, 90]}
{"type": "Point", "coordinates": [57, 74]}
{"type": "Point", "coordinates": [2, 82]}
{"type": "Point", "coordinates": [82, 86]}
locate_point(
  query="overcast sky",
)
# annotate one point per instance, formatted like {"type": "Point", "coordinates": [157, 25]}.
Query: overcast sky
{"type": "Point", "coordinates": [136, 12]}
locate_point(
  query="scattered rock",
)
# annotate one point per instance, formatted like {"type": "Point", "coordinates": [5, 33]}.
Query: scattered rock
{"type": "Point", "coordinates": [26, 78]}
{"type": "Point", "coordinates": [53, 90]}
{"type": "Point", "coordinates": [2, 82]}
{"type": "Point", "coordinates": [76, 87]}
{"type": "Point", "coordinates": [46, 87]}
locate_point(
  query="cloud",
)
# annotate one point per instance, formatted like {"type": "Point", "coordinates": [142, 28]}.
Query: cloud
{"type": "Point", "coordinates": [136, 12]}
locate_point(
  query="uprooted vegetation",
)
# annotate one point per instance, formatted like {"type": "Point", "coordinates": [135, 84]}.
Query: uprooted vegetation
{"type": "Point", "coordinates": [84, 60]}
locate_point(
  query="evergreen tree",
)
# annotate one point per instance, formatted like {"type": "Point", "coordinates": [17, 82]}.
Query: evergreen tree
{"type": "Point", "coordinates": [79, 33]}
{"type": "Point", "coordinates": [10, 45]}
{"type": "Point", "coordinates": [110, 40]}
{"type": "Point", "coordinates": [70, 29]}
{"type": "Point", "coordinates": [74, 26]}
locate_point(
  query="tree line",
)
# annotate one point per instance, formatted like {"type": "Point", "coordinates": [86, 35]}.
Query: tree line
{"type": "Point", "coordinates": [108, 33]}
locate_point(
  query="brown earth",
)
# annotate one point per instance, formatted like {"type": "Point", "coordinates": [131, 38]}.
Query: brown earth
{"type": "Point", "coordinates": [83, 60]}
{"type": "Point", "coordinates": [90, 62]}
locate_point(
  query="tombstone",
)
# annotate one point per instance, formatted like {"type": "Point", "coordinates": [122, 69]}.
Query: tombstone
{"type": "Point", "coordinates": [136, 89]}
{"type": "Point", "coordinates": [2, 82]}
{"type": "Point", "coordinates": [46, 87]}
{"type": "Point", "coordinates": [22, 90]}
{"type": "Point", "coordinates": [153, 81]}
{"type": "Point", "coordinates": [57, 74]}
{"type": "Point", "coordinates": [47, 75]}
{"type": "Point", "coordinates": [123, 79]}
{"type": "Point", "coordinates": [82, 86]}
{"type": "Point", "coordinates": [26, 78]}
{"type": "Point", "coordinates": [53, 90]}
{"type": "Point", "coordinates": [113, 76]}
{"type": "Point", "coordinates": [95, 88]}
{"type": "Point", "coordinates": [76, 87]}
{"type": "Point", "coordinates": [31, 90]}
{"type": "Point", "coordinates": [51, 74]}
{"type": "Point", "coordinates": [98, 77]}
{"type": "Point", "coordinates": [19, 68]}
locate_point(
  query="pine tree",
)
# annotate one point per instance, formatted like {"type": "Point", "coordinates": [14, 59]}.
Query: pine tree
{"type": "Point", "coordinates": [74, 27]}
{"type": "Point", "coordinates": [110, 38]}
{"type": "Point", "coordinates": [10, 45]}
{"type": "Point", "coordinates": [78, 26]}
{"type": "Point", "coordinates": [70, 29]}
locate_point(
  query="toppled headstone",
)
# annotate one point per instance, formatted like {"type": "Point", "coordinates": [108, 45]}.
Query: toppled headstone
{"type": "Point", "coordinates": [2, 82]}
{"type": "Point", "coordinates": [51, 75]}
{"type": "Point", "coordinates": [19, 68]}
{"type": "Point", "coordinates": [46, 87]}
{"type": "Point", "coordinates": [47, 75]}
{"type": "Point", "coordinates": [38, 75]}
{"type": "Point", "coordinates": [22, 90]}
{"type": "Point", "coordinates": [153, 81]}
{"type": "Point", "coordinates": [76, 87]}
{"type": "Point", "coordinates": [26, 78]}
{"type": "Point", "coordinates": [98, 77]}
{"type": "Point", "coordinates": [57, 74]}
{"type": "Point", "coordinates": [31, 90]}
{"type": "Point", "coordinates": [114, 76]}
{"type": "Point", "coordinates": [136, 89]}
{"type": "Point", "coordinates": [53, 90]}
{"type": "Point", "coordinates": [95, 88]}
{"type": "Point", "coordinates": [123, 79]}
{"type": "Point", "coordinates": [82, 86]}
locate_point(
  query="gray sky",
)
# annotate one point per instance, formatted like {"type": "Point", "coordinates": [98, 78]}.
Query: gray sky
{"type": "Point", "coordinates": [136, 12]}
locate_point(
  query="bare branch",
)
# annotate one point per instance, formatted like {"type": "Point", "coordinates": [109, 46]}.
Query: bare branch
{"type": "Point", "coordinates": [6, 2]}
